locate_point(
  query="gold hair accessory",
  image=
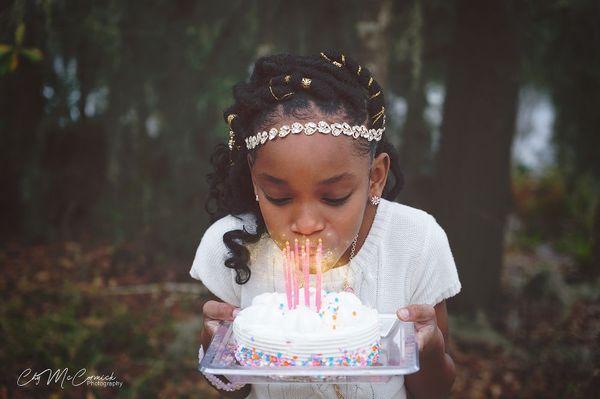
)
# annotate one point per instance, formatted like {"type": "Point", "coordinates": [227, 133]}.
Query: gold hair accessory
{"type": "Point", "coordinates": [310, 128]}
{"type": "Point", "coordinates": [273, 94]}
{"type": "Point", "coordinates": [306, 82]}
{"type": "Point", "coordinates": [379, 115]}
{"type": "Point", "coordinates": [337, 64]}
{"type": "Point", "coordinates": [230, 119]}
{"type": "Point", "coordinates": [375, 95]}
{"type": "Point", "coordinates": [231, 142]}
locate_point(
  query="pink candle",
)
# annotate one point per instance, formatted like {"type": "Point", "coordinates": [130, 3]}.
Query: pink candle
{"type": "Point", "coordinates": [296, 256]}
{"type": "Point", "coordinates": [319, 278]}
{"type": "Point", "coordinates": [286, 276]}
{"type": "Point", "coordinates": [306, 263]}
{"type": "Point", "coordinates": [290, 273]}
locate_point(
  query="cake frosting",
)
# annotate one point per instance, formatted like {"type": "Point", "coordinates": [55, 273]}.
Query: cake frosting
{"type": "Point", "coordinates": [343, 333]}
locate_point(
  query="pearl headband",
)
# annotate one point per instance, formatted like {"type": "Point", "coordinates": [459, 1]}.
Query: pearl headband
{"type": "Point", "coordinates": [311, 128]}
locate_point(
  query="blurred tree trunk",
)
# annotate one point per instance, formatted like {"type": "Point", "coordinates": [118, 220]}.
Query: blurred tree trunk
{"type": "Point", "coordinates": [415, 151]}
{"type": "Point", "coordinates": [21, 112]}
{"type": "Point", "coordinates": [473, 165]}
{"type": "Point", "coordinates": [373, 31]}
{"type": "Point", "coordinates": [592, 271]}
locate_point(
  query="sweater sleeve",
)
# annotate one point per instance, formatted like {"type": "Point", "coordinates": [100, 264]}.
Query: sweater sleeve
{"type": "Point", "coordinates": [435, 278]}
{"type": "Point", "coordinates": [209, 262]}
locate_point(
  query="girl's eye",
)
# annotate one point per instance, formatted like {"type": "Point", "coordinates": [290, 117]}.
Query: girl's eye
{"type": "Point", "coordinates": [330, 201]}
{"type": "Point", "coordinates": [278, 201]}
{"type": "Point", "coordinates": [337, 201]}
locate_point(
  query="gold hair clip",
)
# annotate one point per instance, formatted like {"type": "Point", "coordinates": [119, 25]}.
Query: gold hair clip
{"type": "Point", "coordinates": [230, 119]}
{"type": "Point", "coordinates": [231, 142]}
{"type": "Point", "coordinates": [327, 58]}
{"type": "Point", "coordinates": [359, 69]}
{"type": "Point", "coordinates": [375, 95]}
{"type": "Point", "coordinates": [306, 82]}
{"type": "Point", "coordinates": [337, 64]}
{"type": "Point", "coordinates": [287, 78]}
{"type": "Point", "coordinates": [379, 115]}
{"type": "Point", "coordinates": [279, 98]}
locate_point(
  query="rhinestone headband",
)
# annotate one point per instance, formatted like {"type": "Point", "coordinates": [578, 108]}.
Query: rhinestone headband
{"type": "Point", "coordinates": [310, 128]}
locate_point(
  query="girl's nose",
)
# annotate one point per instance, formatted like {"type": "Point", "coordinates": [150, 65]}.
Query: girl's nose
{"type": "Point", "coordinates": [307, 223]}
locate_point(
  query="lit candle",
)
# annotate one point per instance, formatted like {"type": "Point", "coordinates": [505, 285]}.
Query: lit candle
{"type": "Point", "coordinates": [319, 275]}
{"type": "Point", "coordinates": [306, 253]}
{"type": "Point", "coordinates": [296, 257]}
{"type": "Point", "coordinates": [290, 274]}
{"type": "Point", "coordinates": [293, 279]}
{"type": "Point", "coordinates": [286, 276]}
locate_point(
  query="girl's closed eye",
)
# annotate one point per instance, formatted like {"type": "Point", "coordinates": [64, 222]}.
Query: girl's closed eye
{"type": "Point", "coordinates": [330, 200]}
{"type": "Point", "coordinates": [278, 201]}
{"type": "Point", "coordinates": [336, 201]}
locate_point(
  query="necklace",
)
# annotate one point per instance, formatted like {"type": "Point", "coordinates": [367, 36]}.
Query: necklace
{"type": "Point", "coordinates": [346, 285]}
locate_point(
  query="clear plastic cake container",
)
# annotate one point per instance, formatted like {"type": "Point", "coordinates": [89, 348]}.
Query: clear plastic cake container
{"type": "Point", "coordinates": [399, 355]}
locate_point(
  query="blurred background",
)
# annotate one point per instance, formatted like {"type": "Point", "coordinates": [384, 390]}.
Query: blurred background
{"type": "Point", "coordinates": [109, 112]}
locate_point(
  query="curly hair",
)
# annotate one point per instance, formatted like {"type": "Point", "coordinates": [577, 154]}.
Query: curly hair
{"type": "Point", "coordinates": [338, 85]}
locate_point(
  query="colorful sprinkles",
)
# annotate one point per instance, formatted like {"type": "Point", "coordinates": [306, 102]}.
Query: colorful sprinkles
{"type": "Point", "coordinates": [251, 357]}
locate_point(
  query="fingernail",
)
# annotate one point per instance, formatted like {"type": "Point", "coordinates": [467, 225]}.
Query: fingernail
{"type": "Point", "coordinates": [403, 313]}
{"type": "Point", "coordinates": [235, 312]}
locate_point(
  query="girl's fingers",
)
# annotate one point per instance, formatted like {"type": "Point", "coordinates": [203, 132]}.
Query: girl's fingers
{"type": "Point", "coordinates": [211, 326]}
{"type": "Point", "coordinates": [417, 313]}
{"type": "Point", "coordinates": [219, 310]}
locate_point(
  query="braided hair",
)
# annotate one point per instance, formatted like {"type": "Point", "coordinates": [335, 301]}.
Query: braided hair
{"type": "Point", "coordinates": [286, 84]}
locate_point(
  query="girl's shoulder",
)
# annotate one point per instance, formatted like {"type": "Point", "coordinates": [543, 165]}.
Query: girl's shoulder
{"type": "Point", "coordinates": [400, 217]}
{"type": "Point", "coordinates": [244, 221]}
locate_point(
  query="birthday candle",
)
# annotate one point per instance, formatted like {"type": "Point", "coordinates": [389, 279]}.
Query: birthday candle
{"type": "Point", "coordinates": [306, 253]}
{"type": "Point", "coordinates": [286, 276]}
{"type": "Point", "coordinates": [293, 279]}
{"type": "Point", "coordinates": [319, 275]}
{"type": "Point", "coordinates": [296, 256]}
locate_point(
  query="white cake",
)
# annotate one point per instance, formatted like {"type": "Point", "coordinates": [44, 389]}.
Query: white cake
{"type": "Point", "coordinates": [344, 333]}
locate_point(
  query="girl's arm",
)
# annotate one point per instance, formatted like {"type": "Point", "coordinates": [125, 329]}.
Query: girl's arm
{"type": "Point", "coordinates": [437, 373]}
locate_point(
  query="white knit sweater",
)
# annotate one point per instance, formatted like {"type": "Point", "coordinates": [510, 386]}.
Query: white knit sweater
{"type": "Point", "coordinates": [405, 259]}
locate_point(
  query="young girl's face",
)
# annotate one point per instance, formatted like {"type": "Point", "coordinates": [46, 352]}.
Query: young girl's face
{"type": "Point", "coordinates": [316, 187]}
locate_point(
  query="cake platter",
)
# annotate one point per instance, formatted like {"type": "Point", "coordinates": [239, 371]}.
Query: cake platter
{"type": "Point", "coordinates": [399, 355]}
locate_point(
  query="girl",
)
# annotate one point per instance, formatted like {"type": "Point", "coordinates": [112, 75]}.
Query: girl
{"type": "Point", "coordinates": [312, 175]}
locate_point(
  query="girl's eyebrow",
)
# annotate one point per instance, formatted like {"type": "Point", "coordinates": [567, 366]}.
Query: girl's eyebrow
{"type": "Point", "coordinates": [329, 180]}
{"type": "Point", "coordinates": [273, 179]}
{"type": "Point", "coordinates": [335, 179]}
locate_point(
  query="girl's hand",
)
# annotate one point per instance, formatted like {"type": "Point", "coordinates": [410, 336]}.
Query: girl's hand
{"type": "Point", "coordinates": [214, 312]}
{"type": "Point", "coordinates": [429, 336]}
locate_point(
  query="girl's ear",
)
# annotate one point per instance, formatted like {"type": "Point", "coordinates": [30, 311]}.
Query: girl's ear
{"type": "Point", "coordinates": [378, 175]}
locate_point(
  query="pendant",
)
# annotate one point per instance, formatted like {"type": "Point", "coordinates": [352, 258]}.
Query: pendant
{"type": "Point", "coordinates": [347, 288]}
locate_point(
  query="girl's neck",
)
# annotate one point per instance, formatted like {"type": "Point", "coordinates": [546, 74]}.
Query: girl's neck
{"type": "Point", "coordinates": [363, 232]}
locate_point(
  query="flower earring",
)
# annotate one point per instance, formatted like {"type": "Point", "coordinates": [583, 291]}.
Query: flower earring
{"type": "Point", "coordinates": [375, 200]}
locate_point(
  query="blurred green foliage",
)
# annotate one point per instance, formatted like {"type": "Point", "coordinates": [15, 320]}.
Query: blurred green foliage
{"type": "Point", "coordinates": [56, 315]}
